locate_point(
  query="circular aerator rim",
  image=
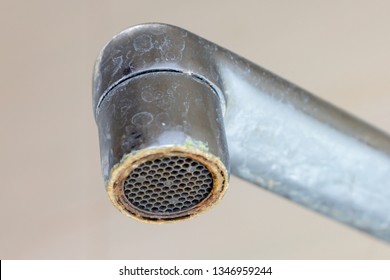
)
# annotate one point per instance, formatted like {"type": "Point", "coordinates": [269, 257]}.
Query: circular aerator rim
{"type": "Point", "coordinates": [124, 173]}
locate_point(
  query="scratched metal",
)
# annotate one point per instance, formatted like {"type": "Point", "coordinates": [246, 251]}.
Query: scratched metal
{"type": "Point", "coordinates": [280, 137]}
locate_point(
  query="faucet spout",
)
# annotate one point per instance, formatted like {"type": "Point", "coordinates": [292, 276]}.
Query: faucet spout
{"type": "Point", "coordinates": [265, 129]}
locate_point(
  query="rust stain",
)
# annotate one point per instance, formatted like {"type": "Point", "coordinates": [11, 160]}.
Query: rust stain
{"type": "Point", "coordinates": [131, 161]}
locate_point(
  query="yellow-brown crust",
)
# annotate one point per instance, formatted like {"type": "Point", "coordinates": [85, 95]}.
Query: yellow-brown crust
{"type": "Point", "coordinates": [131, 161]}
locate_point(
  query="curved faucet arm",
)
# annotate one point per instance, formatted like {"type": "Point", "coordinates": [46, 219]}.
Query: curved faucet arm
{"type": "Point", "coordinates": [280, 136]}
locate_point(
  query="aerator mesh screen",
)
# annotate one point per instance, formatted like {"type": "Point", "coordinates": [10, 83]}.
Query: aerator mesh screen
{"type": "Point", "coordinates": [168, 185]}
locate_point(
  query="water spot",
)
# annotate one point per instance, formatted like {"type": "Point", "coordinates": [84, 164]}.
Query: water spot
{"type": "Point", "coordinates": [148, 96]}
{"type": "Point", "coordinates": [179, 44]}
{"type": "Point", "coordinates": [129, 54]}
{"type": "Point", "coordinates": [172, 48]}
{"type": "Point", "coordinates": [173, 56]}
{"type": "Point", "coordinates": [159, 94]}
{"type": "Point", "coordinates": [142, 119]}
{"type": "Point", "coordinates": [125, 108]}
{"type": "Point", "coordinates": [143, 43]}
{"type": "Point", "coordinates": [164, 103]}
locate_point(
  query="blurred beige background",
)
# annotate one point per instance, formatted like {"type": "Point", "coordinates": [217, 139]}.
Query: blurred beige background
{"type": "Point", "coordinates": [53, 203]}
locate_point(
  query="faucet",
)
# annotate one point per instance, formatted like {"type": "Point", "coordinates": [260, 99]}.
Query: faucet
{"type": "Point", "coordinates": [177, 114]}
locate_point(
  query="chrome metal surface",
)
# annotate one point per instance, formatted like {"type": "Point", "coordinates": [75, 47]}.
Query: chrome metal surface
{"type": "Point", "coordinates": [159, 109]}
{"type": "Point", "coordinates": [280, 137]}
{"type": "Point", "coordinates": [148, 115]}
